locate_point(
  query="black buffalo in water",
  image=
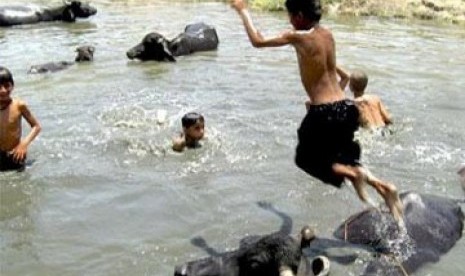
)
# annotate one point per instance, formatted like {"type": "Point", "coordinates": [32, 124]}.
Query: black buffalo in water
{"type": "Point", "coordinates": [29, 14]}
{"type": "Point", "coordinates": [276, 254]}
{"type": "Point", "coordinates": [84, 53]}
{"type": "Point", "coordinates": [433, 225]}
{"type": "Point", "coordinates": [154, 46]}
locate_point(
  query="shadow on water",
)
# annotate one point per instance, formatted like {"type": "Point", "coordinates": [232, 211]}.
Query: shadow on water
{"type": "Point", "coordinates": [99, 127]}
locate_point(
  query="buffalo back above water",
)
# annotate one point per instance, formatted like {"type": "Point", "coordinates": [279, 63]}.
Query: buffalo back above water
{"type": "Point", "coordinates": [29, 14]}
{"type": "Point", "coordinates": [433, 224]}
{"type": "Point", "coordinates": [154, 46]}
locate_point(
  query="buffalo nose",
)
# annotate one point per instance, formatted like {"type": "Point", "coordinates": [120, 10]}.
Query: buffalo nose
{"type": "Point", "coordinates": [130, 54]}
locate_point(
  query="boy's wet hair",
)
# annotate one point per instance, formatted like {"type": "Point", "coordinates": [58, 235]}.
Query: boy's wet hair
{"type": "Point", "coordinates": [310, 9]}
{"type": "Point", "coordinates": [191, 118]}
{"type": "Point", "coordinates": [358, 80]}
{"type": "Point", "coordinates": [6, 76]}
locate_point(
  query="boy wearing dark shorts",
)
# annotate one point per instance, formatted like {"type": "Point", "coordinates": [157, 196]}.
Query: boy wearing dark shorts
{"type": "Point", "coordinates": [326, 149]}
{"type": "Point", "coordinates": [13, 149]}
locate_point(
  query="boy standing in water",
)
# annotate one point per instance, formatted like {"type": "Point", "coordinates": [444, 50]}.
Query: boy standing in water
{"type": "Point", "coordinates": [373, 113]}
{"type": "Point", "coordinates": [13, 150]}
{"type": "Point", "coordinates": [326, 148]}
{"type": "Point", "coordinates": [193, 130]}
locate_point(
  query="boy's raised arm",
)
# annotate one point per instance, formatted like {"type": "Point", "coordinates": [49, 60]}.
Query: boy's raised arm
{"type": "Point", "coordinates": [255, 37]}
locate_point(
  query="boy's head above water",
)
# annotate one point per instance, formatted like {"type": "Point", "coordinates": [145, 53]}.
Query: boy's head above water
{"type": "Point", "coordinates": [358, 82]}
{"type": "Point", "coordinates": [6, 85]}
{"type": "Point", "coordinates": [193, 125]}
{"type": "Point", "coordinates": [6, 76]}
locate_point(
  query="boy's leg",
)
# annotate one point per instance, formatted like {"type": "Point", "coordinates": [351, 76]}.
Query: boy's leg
{"type": "Point", "coordinates": [389, 193]}
{"type": "Point", "coordinates": [358, 175]}
{"type": "Point", "coordinates": [357, 178]}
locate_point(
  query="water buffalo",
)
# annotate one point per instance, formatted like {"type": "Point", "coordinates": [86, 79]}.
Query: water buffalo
{"type": "Point", "coordinates": [154, 46]}
{"type": "Point", "coordinates": [84, 53]}
{"type": "Point", "coordinates": [433, 225]}
{"type": "Point", "coordinates": [30, 14]}
{"type": "Point", "coordinates": [276, 254]}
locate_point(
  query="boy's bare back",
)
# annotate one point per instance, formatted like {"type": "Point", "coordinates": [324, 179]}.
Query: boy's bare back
{"type": "Point", "coordinates": [372, 111]}
{"type": "Point", "coordinates": [317, 64]}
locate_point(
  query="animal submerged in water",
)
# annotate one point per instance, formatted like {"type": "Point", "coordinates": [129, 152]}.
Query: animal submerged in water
{"type": "Point", "coordinates": [69, 11]}
{"type": "Point", "coordinates": [275, 254]}
{"type": "Point", "coordinates": [154, 46]}
{"type": "Point", "coordinates": [84, 53]}
{"type": "Point", "coordinates": [433, 225]}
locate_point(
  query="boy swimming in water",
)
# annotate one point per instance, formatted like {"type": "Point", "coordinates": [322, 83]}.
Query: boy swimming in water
{"type": "Point", "coordinates": [193, 127]}
{"type": "Point", "coordinates": [326, 147]}
{"type": "Point", "coordinates": [13, 150]}
{"type": "Point", "coordinates": [373, 113]}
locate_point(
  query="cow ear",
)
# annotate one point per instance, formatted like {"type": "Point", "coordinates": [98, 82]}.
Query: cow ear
{"type": "Point", "coordinates": [68, 15]}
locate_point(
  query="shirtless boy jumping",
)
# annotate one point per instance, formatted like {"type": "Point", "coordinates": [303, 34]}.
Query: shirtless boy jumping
{"type": "Point", "coordinates": [13, 150]}
{"type": "Point", "coordinates": [326, 148]}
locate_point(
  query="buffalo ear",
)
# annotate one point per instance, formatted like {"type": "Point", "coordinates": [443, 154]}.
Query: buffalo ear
{"type": "Point", "coordinates": [68, 15]}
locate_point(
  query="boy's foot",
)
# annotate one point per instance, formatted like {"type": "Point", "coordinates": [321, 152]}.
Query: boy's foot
{"type": "Point", "coordinates": [390, 195]}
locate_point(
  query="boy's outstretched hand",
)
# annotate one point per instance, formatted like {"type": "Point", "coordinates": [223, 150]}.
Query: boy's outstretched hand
{"type": "Point", "coordinates": [238, 5]}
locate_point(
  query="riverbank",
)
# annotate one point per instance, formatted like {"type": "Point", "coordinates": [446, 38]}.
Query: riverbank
{"type": "Point", "coordinates": [452, 11]}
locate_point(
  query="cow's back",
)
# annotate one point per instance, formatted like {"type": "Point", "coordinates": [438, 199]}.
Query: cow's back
{"type": "Point", "coordinates": [16, 15]}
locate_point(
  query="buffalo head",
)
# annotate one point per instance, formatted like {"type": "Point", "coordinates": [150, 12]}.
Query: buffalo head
{"type": "Point", "coordinates": [77, 9]}
{"type": "Point", "coordinates": [85, 53]}
{"type": "Point", "coordinates": [154, 46]}
{"type": "Point", "coordinates": [271, 255]}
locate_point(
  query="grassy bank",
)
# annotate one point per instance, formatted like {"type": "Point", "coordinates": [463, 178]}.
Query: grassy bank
{"type": "Point", "coordinates": [452, 11]}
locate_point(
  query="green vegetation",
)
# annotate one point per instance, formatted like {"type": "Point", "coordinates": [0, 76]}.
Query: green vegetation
{"type": "Point", "coordinates": [442, 10]}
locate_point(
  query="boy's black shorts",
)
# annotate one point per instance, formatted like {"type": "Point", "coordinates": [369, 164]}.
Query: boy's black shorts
{"type": "Point", "coordinates": [8, 164]}
{"type": "Point", "coordinates": [325, 137]}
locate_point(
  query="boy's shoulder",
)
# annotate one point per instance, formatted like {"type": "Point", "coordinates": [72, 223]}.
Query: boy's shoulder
{"type": "Point", "coordinates": [18, 101]}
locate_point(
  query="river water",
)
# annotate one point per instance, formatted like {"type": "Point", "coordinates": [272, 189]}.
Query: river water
{"type": "Point", "coordinates": [103, 194]}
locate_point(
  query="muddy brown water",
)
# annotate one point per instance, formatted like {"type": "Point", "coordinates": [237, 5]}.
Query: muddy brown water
{"type": "Point", "coordinates": [104, 194]}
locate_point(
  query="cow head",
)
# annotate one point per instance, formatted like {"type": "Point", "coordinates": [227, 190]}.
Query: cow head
{"type": "Point", "coordinates": [154, 46]}
{"type": "Point", "coordinates": [77, 9]}
{"type": "Point", "coordinates": [272, 255]}
{"type": "Point", "coordinates": [85, 53]}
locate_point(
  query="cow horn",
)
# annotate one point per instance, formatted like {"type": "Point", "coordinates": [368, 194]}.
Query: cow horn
{"type": "Point", "coordinates": [285, 271]}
